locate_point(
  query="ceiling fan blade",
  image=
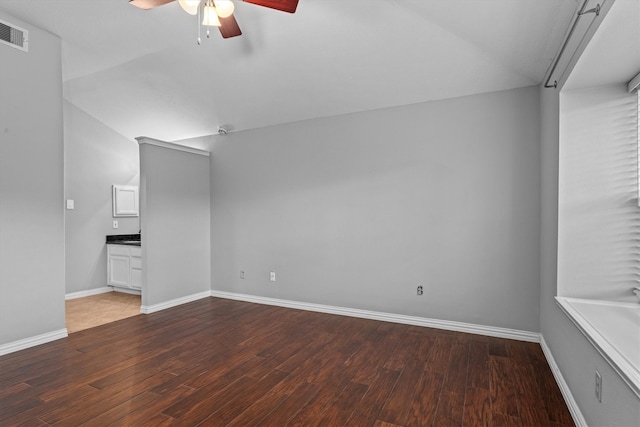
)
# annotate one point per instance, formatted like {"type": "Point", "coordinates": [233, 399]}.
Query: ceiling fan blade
{"type": "Point", "coordinates": [229, 27]}
{"type": "Point", "coordinates": [148, 4]}
{"type": "Point", "coordinates": [283, 5]}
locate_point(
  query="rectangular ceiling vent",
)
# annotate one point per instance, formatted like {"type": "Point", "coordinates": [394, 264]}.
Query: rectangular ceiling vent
{"type": "Point", "coordinates": [14, 36]}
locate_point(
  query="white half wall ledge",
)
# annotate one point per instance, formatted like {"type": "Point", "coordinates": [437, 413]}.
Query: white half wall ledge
{"type": "Point", "coordinates": [448, 325]}
{"type": "Point", "coordinates": [33, 341]}
{"type": "Point", "coordinates": [574, 409]}
{"type": "Point", "coordinates": [607, 347]}
{"type": "Point", "coordinates": [171, 146]}
{"type": "Point", "coordinates": [148, 309]}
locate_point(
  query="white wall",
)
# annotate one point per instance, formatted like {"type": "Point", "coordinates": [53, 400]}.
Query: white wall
{"type": "Point", "coordinates": [577, 359]}
{"type": "Point", "coordinates": [31, 188]}
{"type": "Point", "coordinates": [175, 218]}
{"type": "Point", "coordinates": [96, 157]}
{"type": "Point", "coordinates": [358, 210]}
{"type": "Point", "coordinates": [599, 218]}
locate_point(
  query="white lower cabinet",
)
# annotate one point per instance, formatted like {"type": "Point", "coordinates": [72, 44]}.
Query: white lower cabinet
{"type": "Point", "coordinates": [119, 270]}
{"type": "Point", "coordinates": [135, 272]}
{"type": "Point", "coordinates": [124, 266]}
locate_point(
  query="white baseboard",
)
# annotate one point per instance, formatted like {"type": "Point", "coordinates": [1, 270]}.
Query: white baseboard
{"type": "Point", "coordinates": [492, 331]}
{"type": "Point", "coordinates": [127, 291]}
{"type": "Point", "coordinates": [33, 341]}
{"type": "Point", "coordinates": [576, 414]}
{"type": "Point", "coordinates": [148, 309]}
{"type": "Point", "coordinates": [88, 293]}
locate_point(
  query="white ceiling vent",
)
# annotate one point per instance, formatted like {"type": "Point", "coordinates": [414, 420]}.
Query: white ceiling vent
{"type": "Point", "coordinates": [14, 36]}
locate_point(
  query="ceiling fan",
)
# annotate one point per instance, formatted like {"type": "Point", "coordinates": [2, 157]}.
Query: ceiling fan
{"type": "Point", "coordinates": [218, 13]}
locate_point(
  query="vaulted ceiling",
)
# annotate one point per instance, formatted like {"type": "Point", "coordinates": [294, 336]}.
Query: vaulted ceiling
{"type": "Point", "coordinates": [142, 72]}
{"type": "Point", "coordinates": [613, 54]}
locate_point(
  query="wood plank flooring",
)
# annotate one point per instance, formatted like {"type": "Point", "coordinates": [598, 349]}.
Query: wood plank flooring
{"type": "Point", "coordinates": [218, 362]}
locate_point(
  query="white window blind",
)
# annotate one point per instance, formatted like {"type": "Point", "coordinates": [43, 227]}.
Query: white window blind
{"type": "Point", "coordinates": [599, 216]}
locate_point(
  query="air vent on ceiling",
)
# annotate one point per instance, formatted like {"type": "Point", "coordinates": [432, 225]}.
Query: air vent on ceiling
{"type": "Point", "coordinates": [14, 36]}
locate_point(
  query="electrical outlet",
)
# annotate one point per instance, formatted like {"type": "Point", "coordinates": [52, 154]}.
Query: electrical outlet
{"type": "Point", "coordinates": [598, 386]}
{"type": "Point", "coordinates": [115, 224]}
{"type": "Point", "coordinates": [272, 276]}
{"type": "Point", "coordinates": [419, 291]}
{"type": "Point", "coordinates": [242, 274]}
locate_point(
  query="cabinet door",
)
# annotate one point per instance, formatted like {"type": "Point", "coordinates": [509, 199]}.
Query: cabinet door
{"type": "Point", "coordinates": [119, 270]}
{"type": "Point", "coordinates": [135, 274]}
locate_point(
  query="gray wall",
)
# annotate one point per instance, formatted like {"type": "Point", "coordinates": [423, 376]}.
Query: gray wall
{"type": "Point", "coordinates": [31, 188]}
{"type": "Point", "coordinates": [577, 359]}
{"type": "Point", "coordinates": [175, 217]}
{"type": "Point", "coordinates": [599, 218]}
{"type": "Point", "coordinates": [358, 210]}
{"type": "Point", "coordinates": [95, 157]}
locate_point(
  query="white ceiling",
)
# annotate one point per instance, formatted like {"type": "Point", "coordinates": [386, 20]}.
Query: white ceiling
{"type": "Point", "coordinates": [142, 73]}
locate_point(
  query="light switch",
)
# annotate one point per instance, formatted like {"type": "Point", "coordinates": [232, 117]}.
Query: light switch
{"type": "Point", "coordinates": [70, 204]}
{"type": "Point", "coordinates": [115, 224]}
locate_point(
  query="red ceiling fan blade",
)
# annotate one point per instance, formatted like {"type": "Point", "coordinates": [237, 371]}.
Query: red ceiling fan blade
{"type": "Point", "coordinates": [283, 5]}
{"type": "Point", "coordinates": [148, 4]}
{"type": "Point", "coordinates": [229, 27]}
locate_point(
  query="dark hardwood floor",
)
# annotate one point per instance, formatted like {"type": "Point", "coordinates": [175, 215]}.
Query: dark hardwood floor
{"type": "Point", "coordinates": [217, 362]}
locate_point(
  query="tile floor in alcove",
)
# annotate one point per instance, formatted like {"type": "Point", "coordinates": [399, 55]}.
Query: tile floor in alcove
{"type": "Point", "coordinates": [96, 310]}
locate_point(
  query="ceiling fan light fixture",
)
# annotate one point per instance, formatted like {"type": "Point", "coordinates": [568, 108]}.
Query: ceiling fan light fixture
{"type": "Point", "coordinates": [190, 6]}
{"type": "Point", "coordinates": [210, 17]}
{"type": "Point", "coordinates": [217, 13]}
{"type": "Point", "coordinates": [224, 8]}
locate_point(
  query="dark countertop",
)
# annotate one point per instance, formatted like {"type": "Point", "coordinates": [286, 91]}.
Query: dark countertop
{"type": "Point", "coordinates": [124, 239]}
